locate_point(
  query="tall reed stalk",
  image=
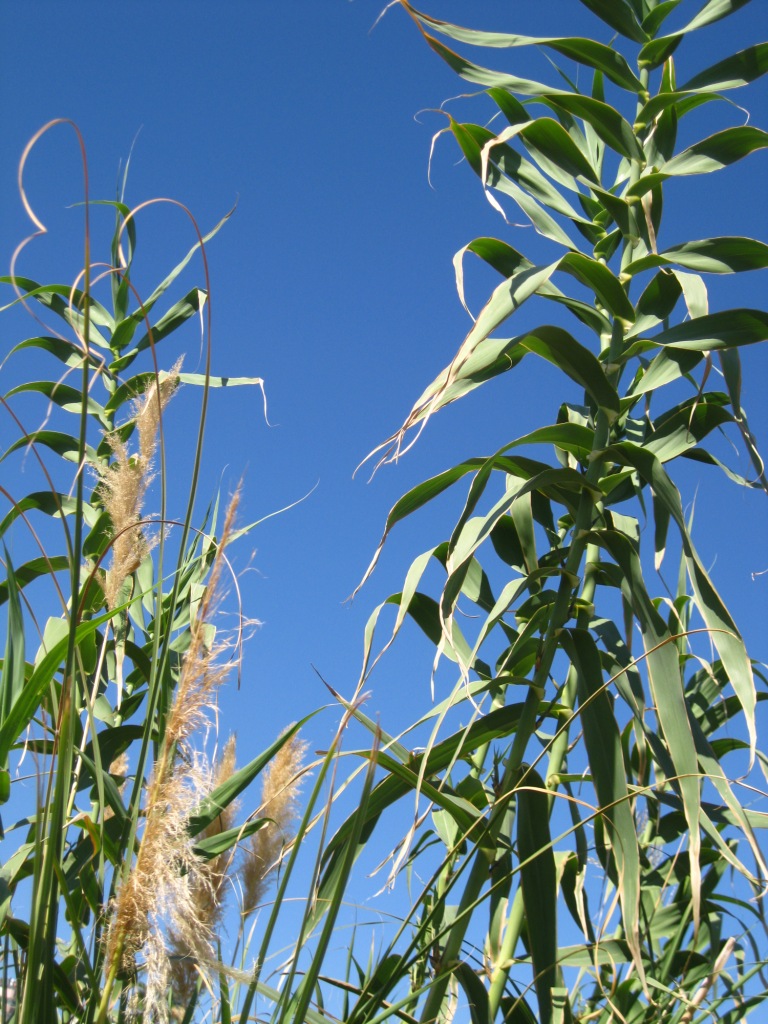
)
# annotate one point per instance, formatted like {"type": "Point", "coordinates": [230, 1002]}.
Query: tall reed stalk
{"type": "Point", "coordinates": [119, 874]}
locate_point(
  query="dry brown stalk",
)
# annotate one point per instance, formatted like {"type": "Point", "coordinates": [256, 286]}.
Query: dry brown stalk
{"type": "Point", "coordinates": [279, 802]}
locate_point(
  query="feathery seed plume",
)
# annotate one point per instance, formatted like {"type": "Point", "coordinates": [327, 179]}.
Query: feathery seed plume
{"type": "Point", "coordinates": [279, 802]}
{"type": "Point", "coordinates": [170, 890]}
{"type": "Point", "coordinates": [207, 893]}
{"type": "Point", "coordinates": [124, 483]}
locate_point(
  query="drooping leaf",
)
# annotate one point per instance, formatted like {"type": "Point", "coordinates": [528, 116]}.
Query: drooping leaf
{"type": "Point", "coordinates": [584, 51]}
{"type": "Point", "coordinates": [13, 668]}
{"type": "Point", "coordinates": [603, 745]}
{"type": "Point", "coordinates": [65, 445]}
{"type": "Point", "coordinates": [68, 398]}
{"type": "Point", "coordinates": [620, 16]}
{"type": "Point", "coordinates": [725, 636]}
{"type": "Point", "coordinates": [34, 569]}
{"type": "Point", "coordinates": [178, 314]}
{"type": "Point", "coordinates": [48, 503]}
{"type": "Point", "coordinates": [657, 50]}
{"type": "Point", "coordinates": [65, 351]}
{"type": "Point", "coordinates": [668, 693]}
{"type": "Point", "coordinates": [475, 993]}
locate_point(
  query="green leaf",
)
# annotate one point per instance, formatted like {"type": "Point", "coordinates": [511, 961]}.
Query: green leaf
{"type": "Point", "coordinates": [599, 279]}
{"type": "Point", "coordinates": [539, 884]}
{"type": "Point", "coordinates": [471, 533]}
{"type": "Point", "coordinates": [730, 363]}
{"type": "Point", "coordinates": [496, 725]}
{"type": "Point", "coordinates": [14, 666]}
{"type": "Point", "coordinates": [726, 255]}
{"type": "Point", "coordinates": [656, 51]}
{"type": "Point", "coordinates": [483, 76]}
{"type": "Point", "coordinates": [44, 672]}
{"type": "Point", "coordinates": [479, 356]}
{"type": "Point", "coordinates": [560, 348]}
{"type": "Point", "coordinates": [666, 108]}
{"type": "Point", "coordinates": [475, 992]}
{"type": "Point", "coordinates": [66, 302]}
{"type": "Point", "coordinates": [501, 168]}
{"type": "Point", "coordinates": [506, 260]}
{"type": "Point", "coordinates": [717, 151]}
{"type": "Point", "coordinates": [666, 686]}
{"type": "Point", "coordinates": [657, 301]}
{"type": "Point", "coordinates": [658, 14]}
{"type": "Point", "coordinates": [51, 504]}
{"type": "Point", "coordinates": [551, 145]}
{"type": "Point", "coordinates": [733, 72]}
{"type": "Point", "coordinates": [329, 904]}
{"type": "Point", "coordinates": [618, 208]}
{"type": "Point", "coordinates": [111, 743]}
{"type": "Point", "coordinates": [178, 314]}
{"type": "Point", "coordinates": [606, 760]}
{"type": "Point", "coordinates": [232, 787]}
{"type": "Point", "coordinates": [608, 953]}
{"type": "Point", "coordinates": [583, 51]}
{"type": "Point", "coordinates": [608, 123]}
{"type": "Point", "coordinates": [34, 569]}
{"type": "Point", "coordinates": [200, 379]}
{"type": "Point", "coordinates": [65, 445]}
{"type": "Point", "coordinates": [725, 636]}
{"type": "Point", "coordinates": [466, 816]}
{"type": "Point", "coordinates": [728, 329]}
{"type": "Point", "coordinates": [670, 364]}
{"type": "Point", "coordinates": [711, 767]}
{"type": "Point", "coordinates": [620, 16]}
{"type": "Point", "coordinates": [68, 398]}
{"type": "Point", "coordinates": [65, 351]}
{"type": "Point", "coordinates": [684, 426]}
{"type": "Point", "coordinates": [124, 331]}
{"type": "Point", "coordinates": [213, 846]}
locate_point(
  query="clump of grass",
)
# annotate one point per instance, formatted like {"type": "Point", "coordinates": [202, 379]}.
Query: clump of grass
{"type": "Point", "coordinates": [143, 904]}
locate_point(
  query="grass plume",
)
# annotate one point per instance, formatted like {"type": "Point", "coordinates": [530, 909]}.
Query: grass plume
{"type": "Point", "coordinates": [170, 893]}
{"type": "Point", "coordinates": [208, 890]}
{"type": "Point", "coordinates": [279, 803]}
{"type": "Point", "coordinates": [124, 483]}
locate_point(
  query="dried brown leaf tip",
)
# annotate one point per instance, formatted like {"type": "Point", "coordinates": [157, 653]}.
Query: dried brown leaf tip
{"type": "Point", "coordinates": [279, 803]}
{"type": "Point", "coordinates": [118, 769]}
{"type": "Point", "coordinates": [124, 483]}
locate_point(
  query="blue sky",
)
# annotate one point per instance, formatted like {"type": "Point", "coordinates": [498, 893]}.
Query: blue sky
{"type": "Point", "coordinates": [333, 282]}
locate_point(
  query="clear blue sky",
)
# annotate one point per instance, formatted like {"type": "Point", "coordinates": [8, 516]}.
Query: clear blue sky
{"type": "Point", "coordinates": [333, 282]}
